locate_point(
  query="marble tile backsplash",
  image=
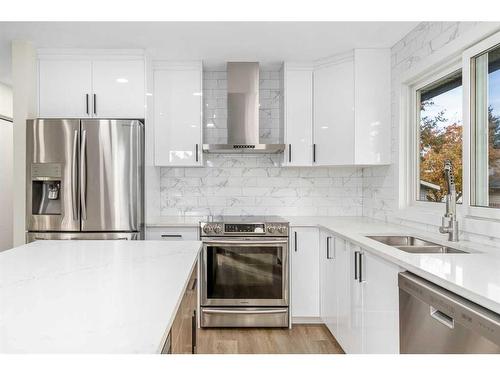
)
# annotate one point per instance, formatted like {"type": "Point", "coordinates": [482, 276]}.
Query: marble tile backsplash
{"type": "Point", "coordinates": [255, 184]}
{"type": "Point", "coordinates": [258, 185]}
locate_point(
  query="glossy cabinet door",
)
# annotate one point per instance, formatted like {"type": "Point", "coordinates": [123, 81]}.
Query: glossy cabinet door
{"type": "Point", "coordinates": [380, 305]}
{"type": "Point", "coordinates": [372, 70]}
{"type": "Point", "coordinates": [64, 88]}
{"type": "Point", "coordinates": [178, 115]}
{"type": "Point", "coordinates": [356, 285]}
{"type": "Point", "coordinates": [343, 280]}
{"type": "Point", "coordinates": [304, 249]}
{"type": "Point", "coordinates": [298, 114]}
{"type": "Point", "coordinates": [118, 89]}
{"type": "Point", "coordinates": [334, 114]}
{"type": "Point", "coordinates": [328, 286]}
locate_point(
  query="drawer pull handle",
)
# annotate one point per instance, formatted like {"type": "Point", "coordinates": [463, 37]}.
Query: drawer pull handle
{"type": "Point", "coordinates": [171, 235]}
{"type": "Point", "coordinates": [193, 285]}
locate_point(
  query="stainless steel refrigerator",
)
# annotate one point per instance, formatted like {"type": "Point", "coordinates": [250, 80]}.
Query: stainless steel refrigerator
{"type": "Point", "coordinates": [84, 179]}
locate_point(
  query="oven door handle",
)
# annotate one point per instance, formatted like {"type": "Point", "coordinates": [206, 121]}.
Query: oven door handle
{"type": "Point", "coordinates": [245, 243]}
{"type": "Point", "coordinates": [229, 311]}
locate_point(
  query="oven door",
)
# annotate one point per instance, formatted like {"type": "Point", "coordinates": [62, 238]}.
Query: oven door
{"type": "Point", "coordinates": [245, 272]}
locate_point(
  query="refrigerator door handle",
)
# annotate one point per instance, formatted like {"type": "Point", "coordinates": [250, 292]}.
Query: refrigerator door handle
{"type": "Point", "coordinates": [83, 175]}
{"type": "Point", "coordinates": [74, 169]}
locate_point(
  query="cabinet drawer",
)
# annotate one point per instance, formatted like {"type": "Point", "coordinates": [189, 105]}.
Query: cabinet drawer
{"type": "Point", "coordinates": [172, 233]}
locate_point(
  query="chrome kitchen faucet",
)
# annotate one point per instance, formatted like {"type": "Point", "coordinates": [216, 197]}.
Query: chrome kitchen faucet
{"type": "Point", "coordinates": [449, 221]}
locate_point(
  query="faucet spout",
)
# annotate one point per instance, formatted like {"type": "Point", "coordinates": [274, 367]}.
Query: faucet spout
{"type": "Point", "coordinates": [449, 222]}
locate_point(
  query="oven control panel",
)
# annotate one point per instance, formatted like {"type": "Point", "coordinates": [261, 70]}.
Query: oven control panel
{"type": "Point", "coordinates": [242, 229]}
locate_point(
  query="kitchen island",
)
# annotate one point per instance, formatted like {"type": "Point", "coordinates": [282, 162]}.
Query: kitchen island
{"type": "Point", "coordinates": [92, 296]}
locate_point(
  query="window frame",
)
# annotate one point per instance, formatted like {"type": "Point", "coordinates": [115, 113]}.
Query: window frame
{"type": "Point", "coordinates": [413, 164]}
{"type": "Point", "coordinates": [468, 81]}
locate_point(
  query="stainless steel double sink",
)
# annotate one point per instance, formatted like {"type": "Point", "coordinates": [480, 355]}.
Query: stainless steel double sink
{"type": "Point", "coordinates": [416, 245]}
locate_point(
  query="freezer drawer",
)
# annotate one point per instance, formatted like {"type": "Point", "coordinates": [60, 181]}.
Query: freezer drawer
{"type": "Point", "coordinates": [435, 320]}
{"type": "Point", "coordinates": [34, 236]}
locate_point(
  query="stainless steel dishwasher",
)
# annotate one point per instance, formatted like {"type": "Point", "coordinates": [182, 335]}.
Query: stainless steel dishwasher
{"type": "Point", "coordinates": [435, 320]}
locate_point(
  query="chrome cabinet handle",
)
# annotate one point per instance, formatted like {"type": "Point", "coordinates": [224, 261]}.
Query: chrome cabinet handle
{"type": "Point", "coordinates": [83, 174]}
{"type": "Point", "coordinates": [314, 153]}
{"type": "Point", "coordinates": [193, 332]}
{"type": "Point", "coordinates": [193, 285]}
{"type": "Point", "coordinates": [87, 103]}
{"type": "Point", "coordinates": [295, 241]}
{"type": "Point", "coordinates": [171, 235]}
{"type": "Point", "coordinates": [442, 318]}
{"type": "Point", "coordinates": [74, 186]}
{"type": "Point", "coordinates": [328, 254]}
{"type": "Point", "coordinates": [95, 104]}
{"type": "Point", "coordinates": [196, 152]}
{"type": "Point", "coordinates": [355, 265]}
{"type": "Point", "coordinates": [289, 153]}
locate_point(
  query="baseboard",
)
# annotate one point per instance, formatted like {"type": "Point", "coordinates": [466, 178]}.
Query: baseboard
{"type": "Point", "coordinates": [306, 320]}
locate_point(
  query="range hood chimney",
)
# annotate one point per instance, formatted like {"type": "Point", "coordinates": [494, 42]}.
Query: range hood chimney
{"type": "Point", "coordinates": [243, 112]}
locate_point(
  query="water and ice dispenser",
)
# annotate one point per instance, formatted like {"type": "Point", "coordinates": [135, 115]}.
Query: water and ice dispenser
{"type": "Point", "coordinates": [46, 188]}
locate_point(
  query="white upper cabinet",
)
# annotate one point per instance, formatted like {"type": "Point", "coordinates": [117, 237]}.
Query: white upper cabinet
{"type": "Point", "coordinates": [372, 72]}
{"type": "Point", "coordinates": [351, 110]}
{"type": "Point", "coordinates": [298, 113]}
{"type": "Point", "coordinates": [118, 88]}
{"type": "Point", "coordinates": [304, 250]}
{"type": "Point", "coordinates": [64, 88]}
{"type": "Point", "coordinates": [92, 86]}
{"type": "Point", "coordinates": [334, 114]}
{"type": "Point", "coordinates": [178, 114]}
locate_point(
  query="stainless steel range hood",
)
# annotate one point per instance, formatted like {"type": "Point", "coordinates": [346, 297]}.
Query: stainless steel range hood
{"type": "Point", "coordinates": [243, 112]}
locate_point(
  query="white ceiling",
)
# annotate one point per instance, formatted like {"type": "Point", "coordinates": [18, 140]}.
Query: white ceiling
{"type": "Point", "coordinates": [211, 41]}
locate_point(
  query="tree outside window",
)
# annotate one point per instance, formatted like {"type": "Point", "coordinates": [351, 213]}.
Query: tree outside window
{"type": "Point", "coordinates": [439, 137]}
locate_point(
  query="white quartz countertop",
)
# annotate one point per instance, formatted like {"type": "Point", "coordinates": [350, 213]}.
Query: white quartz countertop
{"type": "Point", "coordinates": [92, 296]}
{"type": "Point", "coordinates": [475, 276]}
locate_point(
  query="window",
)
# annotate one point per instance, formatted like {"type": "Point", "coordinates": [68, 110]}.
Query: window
{"type": "Point", "coordinates": [439, 137]}
{"type": "Point", "coordinates": [485, 130]}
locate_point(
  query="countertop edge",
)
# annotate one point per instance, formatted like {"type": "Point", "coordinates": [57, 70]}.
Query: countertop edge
{"type": "Point", "coordinates": [366, 245]}
{"type": "Point", "coordinates": [178, 303]}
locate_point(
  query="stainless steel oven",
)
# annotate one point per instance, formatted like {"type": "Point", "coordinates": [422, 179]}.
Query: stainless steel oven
{"type": "Point", "coordinates": [245, 274]}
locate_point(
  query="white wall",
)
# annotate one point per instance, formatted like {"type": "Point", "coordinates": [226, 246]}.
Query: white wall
{"type": "Point", "coordinates": [24, 99]}
{"type": "Point", "coordinates": [5, 168]}
{"type": "Point", "coordinates": [6, 100]}
{"type": "Point", "coordinates": [427, 46]}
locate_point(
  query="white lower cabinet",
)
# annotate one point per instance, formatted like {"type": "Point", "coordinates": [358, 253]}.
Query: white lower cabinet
{"type": "Point", "coordinates": [342, 279]}
{"type": "Point", "coordinates": [359, 297]}
{"type": "Point", "coordinates": [380, 305]}
{"type": "Point", "coordinates": [328, 285]}
{"type": "Point", "coordinates": [304, 254]}
{"type": "Point", "coordinates": [172, 233]}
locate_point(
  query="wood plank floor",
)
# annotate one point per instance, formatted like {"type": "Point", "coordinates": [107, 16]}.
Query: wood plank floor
{"type": "Point", "coordinates": [301, 339]}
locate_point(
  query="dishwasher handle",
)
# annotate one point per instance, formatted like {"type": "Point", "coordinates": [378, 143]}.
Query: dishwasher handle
{"type": "Point", "coordinates": [442, 318]}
